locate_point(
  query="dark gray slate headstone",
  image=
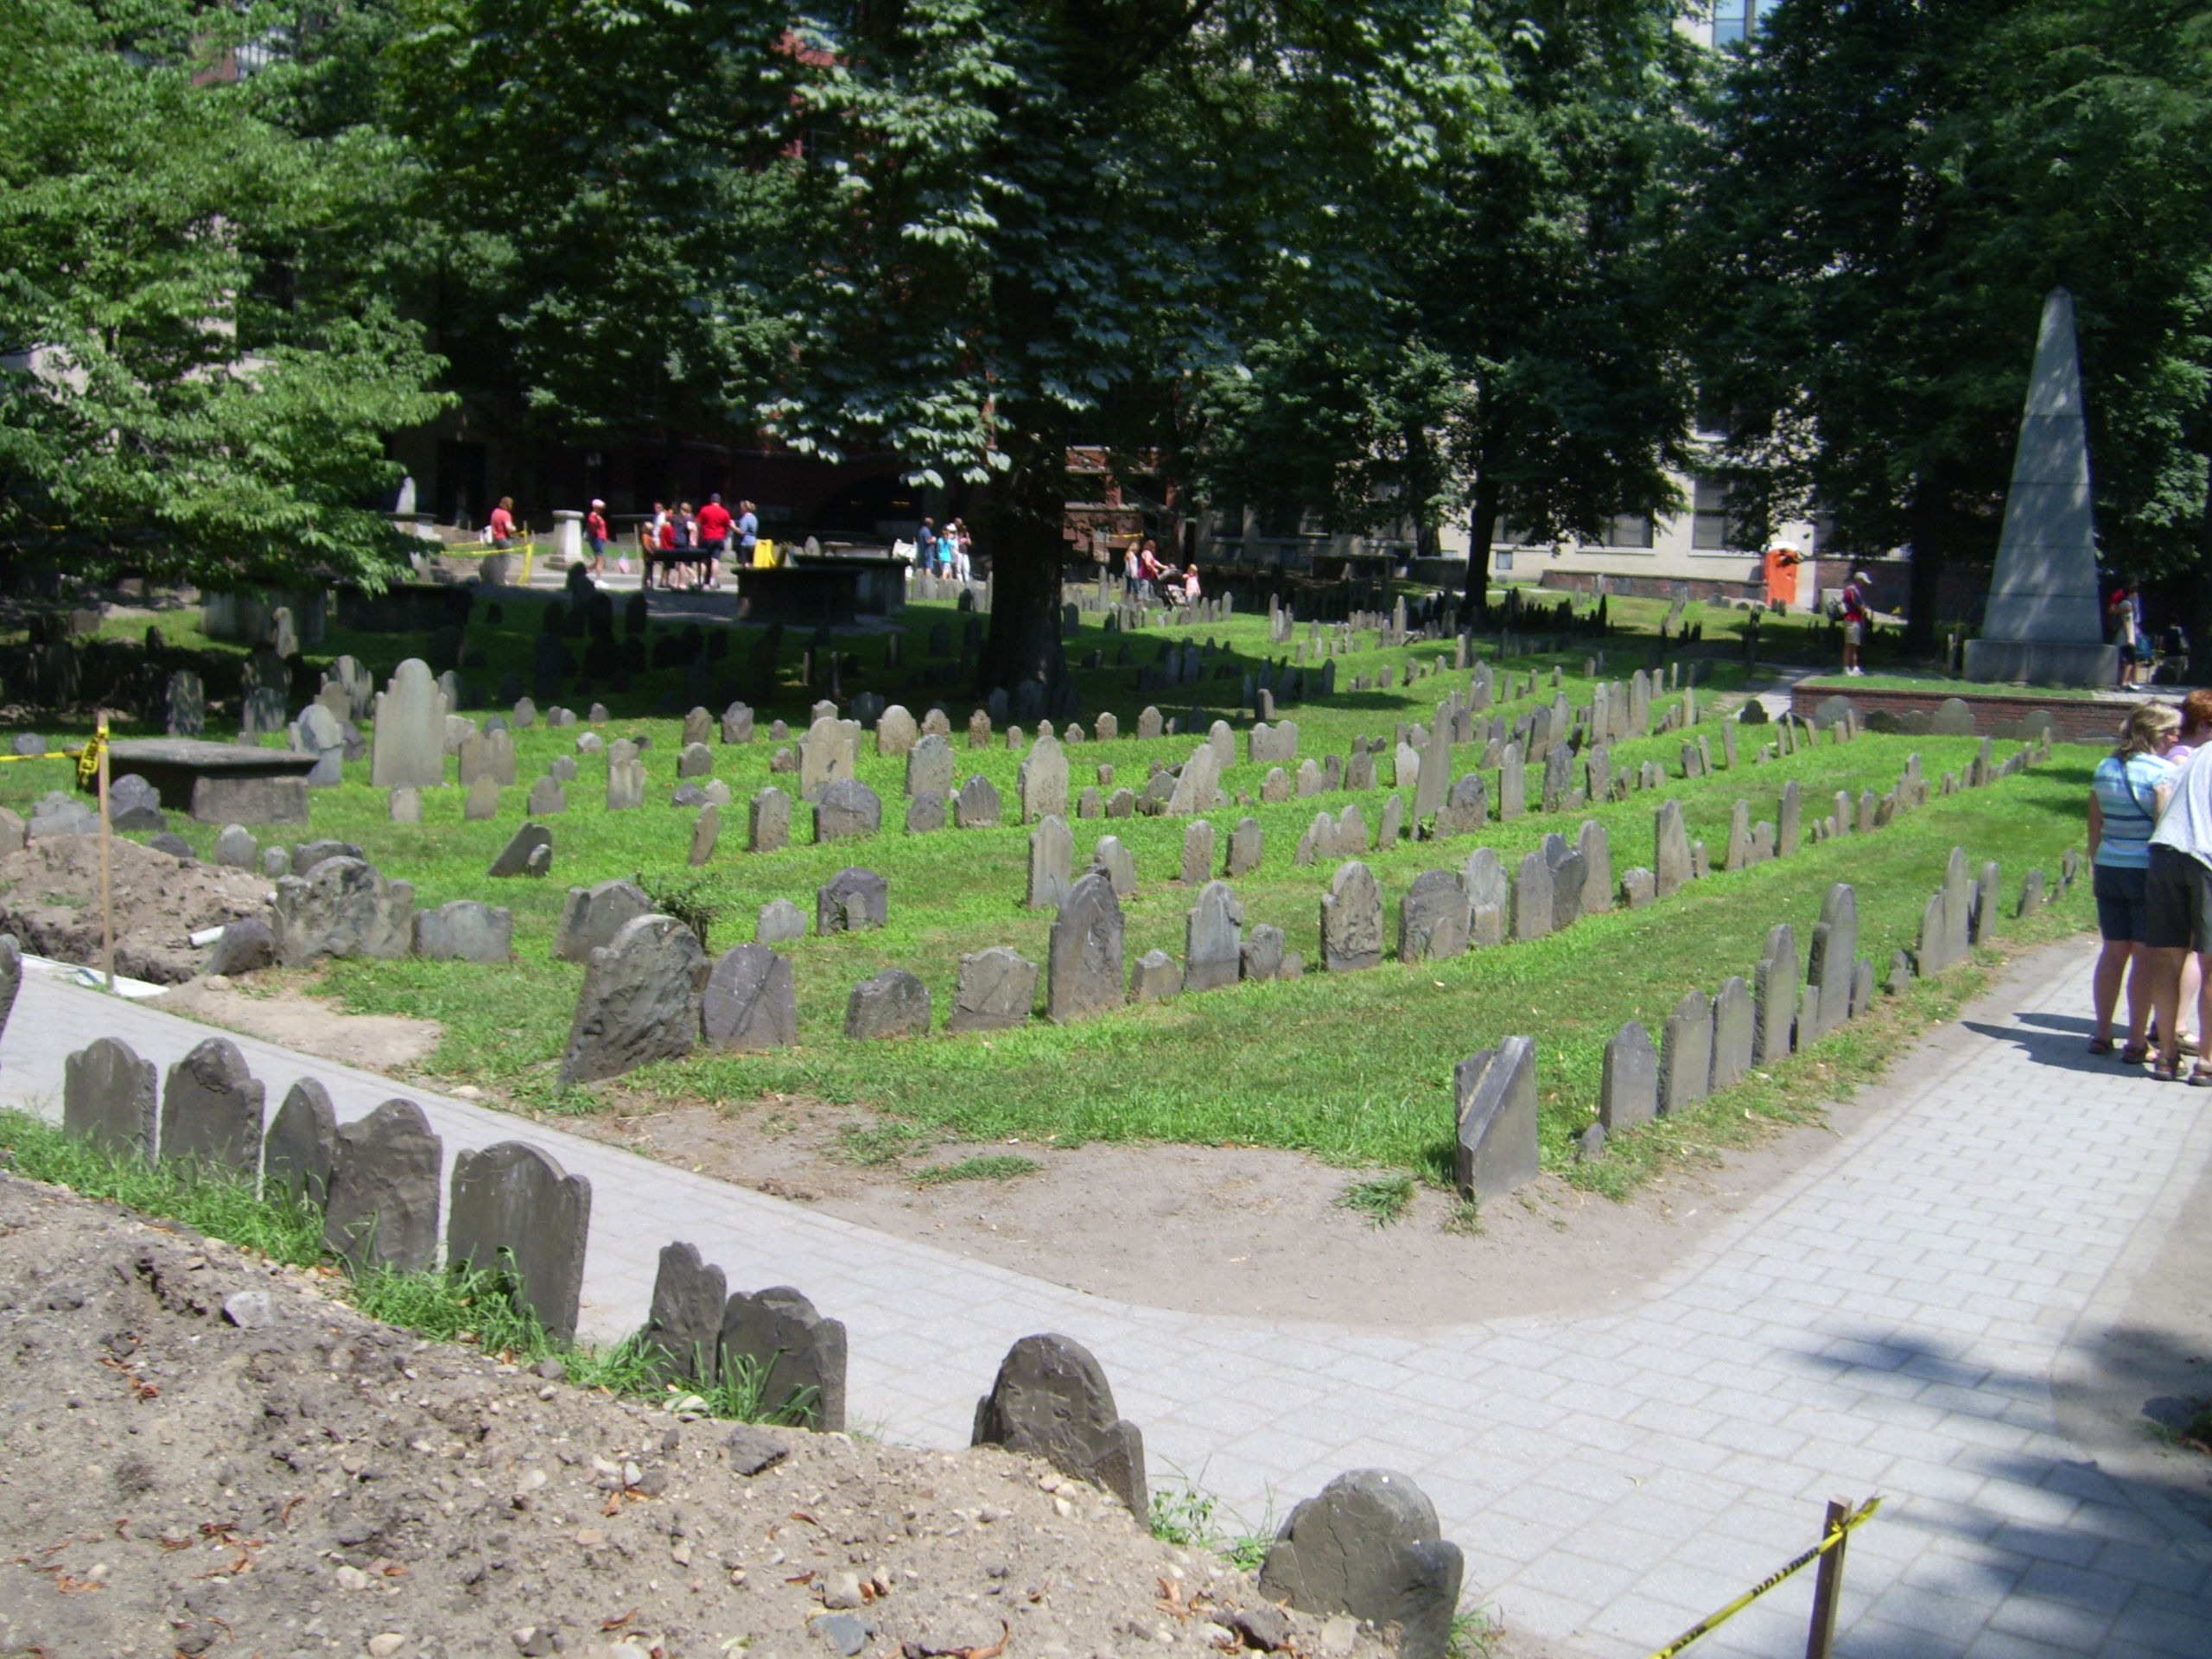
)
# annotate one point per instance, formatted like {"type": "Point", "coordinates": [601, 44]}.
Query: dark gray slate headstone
{"type": "Point", "coordinates": [344, 909]}
{"type": "Point", "coordinates": [1198, 853]}
{"type": "Point", "coordinates": [1433, 919]}
{"type": "Point", "coordinates": [892, 1004]}
{"type": "Point", "coordinates": [1213, 938]}
{"type": "Point", "coordinates": [997, 989]}
{"type": "Point", "coordinates": [1496, 1096]}
{"type": "Point", "coordinates": [1671, 867]}
{"type": "Point", "coordinates": [1534, 898]}
{"type": "Point", "coordinates": [1828, 977]}
{"type": "Point", "coordinates": [1083, 974]}
{"type": "Point", "coordinates": [1774, 996]}
{"type": "Point", "coordinates": [11, 975]}
{"type": "Point", "coordinates": [515, 1210]}
{"type": "Point", "coordinates": [639, 1001]}
{"type": "Point", "coordinates": [1051, 1400]}
{"type": "Point", "coordinates": [1369, 1545]}
{"type": "Point", "coordinates": [1685, 1054]}
{"type": "Point", "coordinates": [1564, 862]}
{"type": "Point", "coordinates": [1629, 1092]}
{"type": "Point", "coordinates": [780, 921]}
{"type": "Point", "coordinates": [1245, 844]}
{"type": "Point", "coordinates": [383, 1190]}
{"type": "Point", "coordinates": [854, 900]}
{"type": "Point", "coordinates": [750, 1003]}
{"type": "Point", "coordinates": [300, 1148]}
{"type": "Point", "coordinates": [1352, 920]}
{"type": "Point", "coordinates": [977, 806]}
{"type": "Point", "coordinates": [768, 821]}
{"type": "Point", "coordinates": [1734, 1032]}
{"type": "Point", "coordinates": [593, 916]}
{"type": "Point", "coordinates": [245, 946]}
{"type": "Point", "coordinates": [108, 1099]}
{"type": "Point", "coordinates": [465, 930]}
{"type": "Point", "coordinates": [683, 1331]}
{"type": "Point", "coordinates": [848, 809]}
{"type": "Point", "coordinates": [211, 1110]}
{"type": "Point", "coordinates": [521, 856]}
{"type": "Point", "coordinates": [797, 1357]}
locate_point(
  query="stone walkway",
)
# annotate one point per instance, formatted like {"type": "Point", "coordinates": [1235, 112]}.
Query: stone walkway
{"type": "Point", "coordinates": [1885, 1321]}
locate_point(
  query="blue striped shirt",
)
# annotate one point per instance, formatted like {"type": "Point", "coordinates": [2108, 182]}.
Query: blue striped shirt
{"type": "Point", "coordinates": [2126, 794]}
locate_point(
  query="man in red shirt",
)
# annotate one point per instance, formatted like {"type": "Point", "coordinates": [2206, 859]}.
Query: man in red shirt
{"type": "Point", "coordinates": [714, 523]}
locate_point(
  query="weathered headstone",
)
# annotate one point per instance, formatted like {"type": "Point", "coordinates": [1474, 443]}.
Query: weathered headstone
{"type": "Point", "coordinates": [410, 739]}
{"type": "Point", "coordinates": [1685, 1054]}
{"type": "Point", "coordinates": [996, 989]}
{"type": "Point", "coordinates": [1155, 978]}
{"type": "Point", "coordinates": [891, 1004]}
{"type": "Point", "coordinates": [1535, 898]}
{"type": "Point", "coordinates": [1495, 1093]}
{"type": "Point", "coordinates": [768, 821]}
{"type": "Point", "coordinates": [384, 1191]}
{"type": "Point", "coordinates": [1774, 996]}
{"type": "Point", "coordinates": [626, 784]}
{"type": "Point", "coordinates": [211, 1111]}
{"type": "Point", "coordinates": [1052, 857]}
{"type": "Point", "coordinates": [854, 900]}
{"type": "Point", "coordinates": [592, 917]}
{"type": "Point", "coordinates": [846, 810]}
{"type": "Point", "coordinates": [1198, 853]}
{"type": "Point", "coordinates": [639, 1002]}
{"type": "Point", "coordinates": [1214, 939]}
{"type": "Point", "coordinates": [1433, 919]}
{"type": "Point", "coordinates": [343, 908]}
{"type": "Point", "coordinates": [1051, 1400]}
{"type": "Point", "coordinates": [1117, 863]}
{"type": "Point", "coordinates": [684, 1329]}
{"type": "Point", "coordinates": [462, 929]}
{"type": "Point", "coordinates": [749, 1003]}
{"type": "Point", "coordinates": [1735, 1033]}
{"type": "Point", "coordinates": [300, 1148]}
{"type": "Point", "coordinates": [517, 1213]}
{"type": "Point", "coordinates": [1628, 1093]}
{"type": "Point", "coordinates": [1827, 977]}
{"type": "Point", "coordinates": [108, 1099]}
{"type": "Point", "coordinates": [977, 806]}
{"type": "Point", "coordinates": [1262, 957]}
{"type": "Point", "coordinates": [795, 1357]}
{"type": "Point", "coordinates": [929, 766]}
{"type": "Point", "coordinates": [529, 851]}
{"type": "Point", "coordinates": [1352, 920]}
{"type": "Point", "coordinates": [1490, 897]}
{"type": "Point", "coordinates": [1083, 972]}
{"type": "Point", "coordinates": [1042, 781]}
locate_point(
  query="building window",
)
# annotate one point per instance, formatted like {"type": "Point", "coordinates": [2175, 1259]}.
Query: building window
{"type": "Point", "coordinates": [1629, 530]}
{"type": "Point", "coordinates": [1710, 529]}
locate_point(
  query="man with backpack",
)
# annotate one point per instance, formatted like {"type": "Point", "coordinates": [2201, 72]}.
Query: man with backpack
{"type": "Point", "coordinates": [1853, 613]}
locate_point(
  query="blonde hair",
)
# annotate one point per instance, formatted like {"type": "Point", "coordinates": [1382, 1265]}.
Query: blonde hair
{"type": "Point", "coordinates": [2146, 723]}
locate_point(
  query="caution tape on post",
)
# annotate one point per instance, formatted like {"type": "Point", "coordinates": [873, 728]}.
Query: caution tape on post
{"type": "Point", "coordinates": [1712, 1621]}
{"type": "Point", "coordinates": [87, 758]}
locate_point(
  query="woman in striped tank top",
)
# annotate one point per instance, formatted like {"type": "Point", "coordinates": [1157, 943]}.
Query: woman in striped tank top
{"type": "Point", "coordinates": [2130, 789]}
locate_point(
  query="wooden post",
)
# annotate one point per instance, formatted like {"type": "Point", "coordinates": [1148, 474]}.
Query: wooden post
{"type": "Point", "coordinates": [1827, 1585]}
{"type": "Point", "coordinates": [107, 890]}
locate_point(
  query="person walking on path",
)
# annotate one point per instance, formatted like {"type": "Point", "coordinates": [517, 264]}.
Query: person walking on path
{"type": "Point", "coordinates": [2127, 792]}
{"type": "Point", "coordinates": [2177, 908]}
{"type": "Point", "coordinates": [748, 533]}
{"type": "Point", "coordinates": [595, 534]}
{"type": "Point", "coordinates": [714, 523]}
{"type": "Point", "coordinates": [503, 523]}
{"type": "Point", "coordinates": [2125, 609]}
{"type": "Point", "coordinates": [1854, 620]}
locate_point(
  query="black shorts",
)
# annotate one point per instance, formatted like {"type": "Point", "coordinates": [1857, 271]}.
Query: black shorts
{"type": "Point", "coordinates": [2120, 902]}
{"type": "Point", "coordinates": [2176, 901]}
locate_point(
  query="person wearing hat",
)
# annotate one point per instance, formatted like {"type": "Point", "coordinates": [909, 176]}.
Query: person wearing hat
{"type": "Point", "coordinates": [595, 533]}
{"type": "Point", "coordinates": [1854, 620]}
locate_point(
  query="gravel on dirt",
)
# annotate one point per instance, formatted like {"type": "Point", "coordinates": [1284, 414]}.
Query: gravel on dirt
{"type": "Point", "coordinates": [206, 1453]}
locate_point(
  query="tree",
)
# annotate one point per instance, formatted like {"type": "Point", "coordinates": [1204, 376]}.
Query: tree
{"type": "Point", "coordinates": [199, 381]}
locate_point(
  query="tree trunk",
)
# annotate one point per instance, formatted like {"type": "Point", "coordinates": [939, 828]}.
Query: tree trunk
{"type": "Point", "coordinates": [1926, 516]}
{"type": "Point", "coordinates": [2200, 621]}
{"type": "Point", "coordinates": [1482, 530]}
{"type": "Point", "coordinates": [1027, 554]}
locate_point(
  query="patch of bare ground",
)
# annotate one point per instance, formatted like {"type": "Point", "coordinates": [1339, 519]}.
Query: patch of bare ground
{"type": "Point", "coordinates": [266, 1009]}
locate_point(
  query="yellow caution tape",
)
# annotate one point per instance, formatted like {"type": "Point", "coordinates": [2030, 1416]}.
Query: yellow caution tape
{"type": "Point", "coordinates": [1864, 1512]}
{"type": "Point", "coordinates": [87, 758]}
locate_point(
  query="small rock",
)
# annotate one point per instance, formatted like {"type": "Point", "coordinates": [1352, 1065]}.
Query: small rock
{"type": "Point", "coordinates": [1263, 1627]}
{"type": "Point", "coordinates": [552, 1369]}
{"type": "Point", "coordinates": [843, 1632]}
{"type": "Point", "coordinates": [842, 1589]}
{"type": "Point", "coordinates": [382, 1647]}
{"type": "Point", "coordinates": [249, 1310]}
{"type": "Point", "coordinates": [1338, 1633]}
{"type": "Point", "coordinates": [591, 1537]}
{"type": "Point", "coordinates": [351, 1578]}
{"type": "Point", "coordinates": [752, 1450]}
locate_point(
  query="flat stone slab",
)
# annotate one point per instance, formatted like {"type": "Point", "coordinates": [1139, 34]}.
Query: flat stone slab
{"type": "Point", "coordinates": [174, 764]}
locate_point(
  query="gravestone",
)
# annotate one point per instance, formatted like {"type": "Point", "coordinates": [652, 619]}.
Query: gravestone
{"type": "Point", "coordinates": [300, 1148]}
{"type": "Point", "coordinates": [1051, 855]}
{"type": "Point", "coordinates": [488, 755]}
{"type": "Point", "coordinates": [1198, 853]}
{"type": "Point", "coordinates": [1041, 785]}
{"type": "Point", "coordinates": [996, 990]}
{"type": "Point", "coordinates": [694, 761]}
{"type": "Point", "coordinates": [750, 1003]}
{"type": "Point", "coordinates": [481, 803]}
{"type": "Point", "coordinates": [108, 1099]}
{"type": "Point", "coordinates": [1261, 957]}
{"type": "Point", "coordinates": [1685, 1054]}
{"type": "Point", "coordinates": [737, 723]}
{"type": "Point", "coordinates": [1735, 1033]}
{"type": "Point", "coordinates": [1774, 996]}
{"type": "Point", "coordinates": [626, 784]}
{"type": "Point", "coordinates": [1155, 978]}
{"type": "Point", "coordinates": [211, 1111]}
{"type": "Point", "coordinates": [1051, 1400]}
{"type": "Point", "coordinates": [929, 766]}
{"type": "Point", "coordinates": [1512, 784]}
{"type": "Point", "coordinates": [828, 751]}
{"type": "Point", "coordinates": [892, 1004]}
{"type": "Point", "coordinates": [1490, 897]}
{"type": "Point", "coordinates": [1245, 845]}
{"type": "Point", "coordinates": [895, 731]}
{"type": "Point", "coordinates": [591, 917]}
{"type": "Point", "coordinates": [409, 747]}
{"type": "Point", "coordinates": [1629, 1092]}
{"type": "Point", "coordinates": [1671, 862]}
{"type": "Point", "coordinates": [237, 849]}
{"type": "Point", "coordinates": [343, 908]}
{"type": "Point", "coordinates": [515, 1210]}
{"type": "Point", "coordinates": [1736, 855]}
{"type": "Point", "coordinates": [1827, 977]}
{"type": "Point", "coordinates": [797, 1357]}
{"type": "Point", "coordinates": [683, 1328]}
{"type": "Point", "coordinates": [384, 1191]}
{"type": "Point", "coordinates": [1118, 865]}
{"type": "Point", "coordinates": [1083, 973]}
{"type": "Point", "coordinates": [977, 806]}
{"type": "Point", "coordinates": [779, 921]}
{"type": "Point", "coordinates": [1199, 783]}
{"type": "Point", "coordinates": [925, 814]}
{"type": "Point", "coordinates": [2032, 897]}
{"type": "Point", "coordinates": [1985, 896]}
{"type": "Point", "coordinates": [846, 810]}
{"type": "Point", "coordinates": [854, 900]}
{"type": "Point", "coordinates": [639, 1002]}
{"type": "Point", "coordinates": [529, 851]}
{"type": "Point", "coordinates": [187, 705]}
{"type": "Point", "coordinates": [1595, 847]}
{"type": "Point", "coordinates": [1433, 919]}
{"type": "Point", "coordinates": [1788, 833]}
{"type": "Point", "coordinates": [1534, 899]}
{"type": "Point", "coordinates": [463, 930]}
{"type": "Point", "coordinates": [547, 798]}
{"type": "Point", "coordinates": [1465, 809]}
{"type": "Point", "coordinates": [1495, 1095]}
{"type": "Point", "coordinates": [768, 821]}
{"type": "Point", "coordinates": [1564, 862]}
{"type": "Point", "coordinates": [1214, 939]}
{"type": "Point", "coordinates": [1391, 827]}
{"type": "Point", "coordinates": [1352, 920]}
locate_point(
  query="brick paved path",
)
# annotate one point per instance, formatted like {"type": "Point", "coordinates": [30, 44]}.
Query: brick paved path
{"type": "Point", "coordinates": [1886, 1320]}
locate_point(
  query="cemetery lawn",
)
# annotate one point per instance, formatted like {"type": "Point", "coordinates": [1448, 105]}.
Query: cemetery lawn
{"type": "Point", "coordinates": [1352, 1069]}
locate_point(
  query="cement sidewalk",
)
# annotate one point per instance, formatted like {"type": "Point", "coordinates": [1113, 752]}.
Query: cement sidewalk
{"type": "Point", "coordinates": [1885, 1321]}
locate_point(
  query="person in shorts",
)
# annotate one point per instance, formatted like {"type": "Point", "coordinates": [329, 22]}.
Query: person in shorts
{"type": "Point", "coordinates": [596, 536]}
{"type": "Point", "coordinates": [1854, 620]}
{"type": "Point", "coordinates": [2177, 908]}
{"type": "Point", "coordinates": [2127, 792]}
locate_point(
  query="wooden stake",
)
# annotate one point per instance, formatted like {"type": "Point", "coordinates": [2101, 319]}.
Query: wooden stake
{"type": "Point", "coordinates": [107, 889]}
{"type": "Point", "coordinates": [1827, 1585]}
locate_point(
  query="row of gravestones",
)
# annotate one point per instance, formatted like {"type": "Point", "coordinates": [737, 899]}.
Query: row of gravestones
{"type": "Point", "coordinates": [376, 1180]}
{"type": "Point", "coordinates": [331, 902]}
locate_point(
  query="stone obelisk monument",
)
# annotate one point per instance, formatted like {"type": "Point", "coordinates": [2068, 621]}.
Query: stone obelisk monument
{"type": "Point", "coordinates": [2045, 622]}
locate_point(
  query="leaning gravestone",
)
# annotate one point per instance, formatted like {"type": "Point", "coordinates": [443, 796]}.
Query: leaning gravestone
{"type": "Point", "coordinates": [1496, 1092]}
{"type": "Point", "coordinates": [593, 916]}
{"type": "Point", "coordinates": [384, 1191]}
{"type": "Point", "coordinates": [1628, 1093]}
{"type": "Point", "coordinates": [1368, 1545]}
{"type": "Point", "coordinates": [1051, 1400]}
{"type": "Point", "coordinates": [1352, 920]}
{"type": "Point", "coordinates": [1199, 783]}
{"type": "Point", "coordinates": [409, 744]}
{"type": "Point", "coordinates": [684, 1330]}
{"type": "Point", "coordinates": [750, 1004]}
{"type": "Point", "coordinates": [639, 1001]}
{"type": "Point", "coordinates": [854, 900]}
{"type": "Point", "coordinates": [211, 1111]}
{"type": "Point", "coordinates": [892, 1004]}
{"type": "Point", "coordinates": [997, 989]}
{"type": "Point", "coordinates": [108, 1099]}
{"type": "Point", "coordinates": [463, 930]}
{"type": "Point", "coordinates": [1213, 935]}
{"type": "Point", "coordinates": [794, 1356]}
{"type": "Point", "coordinates": [529, 851]}
{"type": "Point", "coordinates": [1083, 972]}
{"type": "Point", "coordinates": [516, 1211]}
{"type": "Point", "coordinates": [1685, 1054]}
{"type": "Point", "coordinates": [300, 1148]}
{"type": "Point", "coordinates": [343, 908]}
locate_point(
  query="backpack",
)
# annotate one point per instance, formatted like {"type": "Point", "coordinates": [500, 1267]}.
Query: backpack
{"type": "Point", "coordinates": [1834, 607]}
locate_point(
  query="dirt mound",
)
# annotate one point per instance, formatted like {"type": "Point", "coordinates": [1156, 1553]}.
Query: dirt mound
{"type": "Point", "coordinates": [50, 900]}
{"type": "Point", "coordinates": [205, 1455]}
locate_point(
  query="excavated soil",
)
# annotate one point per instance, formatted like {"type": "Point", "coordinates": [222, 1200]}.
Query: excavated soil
{"type": "Point", "coordinates": [205, 1455]}
{"type": "Point", "coordinates": [50, 900]}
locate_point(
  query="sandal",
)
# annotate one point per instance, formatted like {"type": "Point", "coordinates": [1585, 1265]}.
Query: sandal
{"type": "Point", "coordinates": [2161, 1073]}
{"type": "Point", "coordinates": [2201, 1078]}
{"type": "Point", "coordinates": [2134, 1054]}
{"type": "Point", "coordinates": [2101, 1045]}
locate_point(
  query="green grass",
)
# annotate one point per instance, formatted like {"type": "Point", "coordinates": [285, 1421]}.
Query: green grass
{"type": "Point", "coordinates": [1383, 1200]}
{"type": "Point", "coordinates": [990, 1167]}
{"type": "Point", "coordinates": [1186, 1515]}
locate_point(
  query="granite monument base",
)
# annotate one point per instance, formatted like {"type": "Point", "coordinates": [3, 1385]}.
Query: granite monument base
{"type": "Point", "coordinates": [2042, 661]}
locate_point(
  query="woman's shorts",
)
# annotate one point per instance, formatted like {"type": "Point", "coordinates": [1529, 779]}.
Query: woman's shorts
{"type": "Point", "coordinates": [2120, 895]}
{"type": "Point", "coordinates": [2178, 907]}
